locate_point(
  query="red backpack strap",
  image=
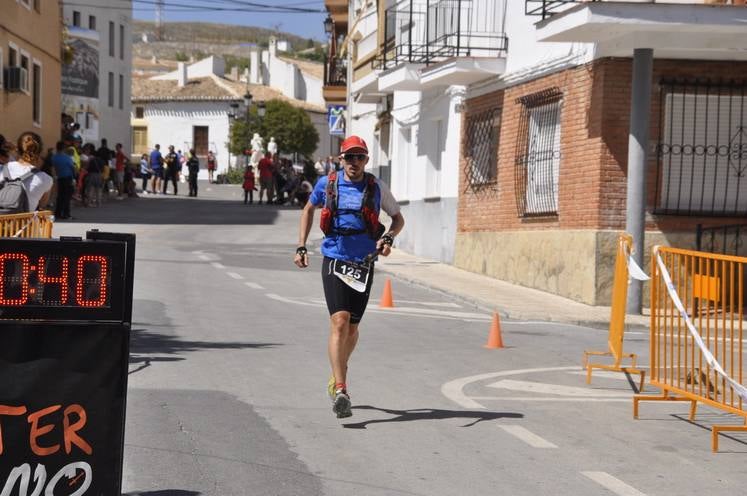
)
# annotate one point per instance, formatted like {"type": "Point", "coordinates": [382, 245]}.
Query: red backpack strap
{"type": "Point", "coordinates": [330, 192]}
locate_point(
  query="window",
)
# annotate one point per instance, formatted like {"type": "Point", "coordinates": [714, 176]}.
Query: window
{"type": "Point", "coordinates": [702, 149]}
{"type": "Point", "coordinates": [92, 22]}
{"type": "Point", "coordinates": [76, 18]}
{"type": "Point", "coordinates": [139, 112]}
{"type": "Point", "coordinates": [121, 92]}
{"type": "Point", "coordinates": [121, 42]}
{"type": "Point", "coordinates": [36, 81]}
{"type": "Point", "coordinates": [111, 89]}
{"type": "Point", "coordinates": [25, 64]}
{"type": "Point", "coordinates": [12, 56]}
{"type": "Point", "coordinates": [200, 140]}
{"type": "Point", "coordinates": [139, 140]}
{"type": "Point", "coordinates": [483, 132]}
{"type": "Point", "coordinates": [111, 39]}
{"type": "Point", "coordinates": [37, 5]}
{"type": "Point", "coordinates": [538, 169]}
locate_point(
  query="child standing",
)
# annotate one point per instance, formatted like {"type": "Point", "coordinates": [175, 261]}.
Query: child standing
{"type": "Point", "coordinates": [249, 184]}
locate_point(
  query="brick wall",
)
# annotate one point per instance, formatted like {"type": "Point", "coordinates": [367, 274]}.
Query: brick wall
{"type": "Point", "coordinates": [594, 146]}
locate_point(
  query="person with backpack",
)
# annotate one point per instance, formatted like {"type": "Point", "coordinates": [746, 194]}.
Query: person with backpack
{"type": "Point", "coordinates": [353, 236]}
{"type": "Point", "coordinates": [24, 187]}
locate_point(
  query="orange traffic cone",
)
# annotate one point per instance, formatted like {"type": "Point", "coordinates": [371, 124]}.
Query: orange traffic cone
{"type": "Point", "coordinates": [495, 340]}
{"type": "Point", "coordinates": [386, 295]}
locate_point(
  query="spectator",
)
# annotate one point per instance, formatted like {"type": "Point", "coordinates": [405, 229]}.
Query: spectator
{"type": "Point", "coordinates": [94, 183]}
{"type": "Point", "coordinates": [119, 168]}
{"type": "Point", "coordinates": [171, 172]}
{"type": "Point", "coordinates": [248, 185]}
{"type": "Point", "coordinates": [193, 167]}
{"type": "Point", "coordinates": [266, 168]}
{"type": "Point", "coordinates": [64, 166]}
{"type": "Point", "coordinates": [156, 164]}
{"type": "Point", "coordinates": [145, 171]}
{"type": "Point", "coordinates": [211, 166]}
{"type": "Point", "coordinates": [38, 184]}
{"type": "Point", "coordinates": [6, 149]}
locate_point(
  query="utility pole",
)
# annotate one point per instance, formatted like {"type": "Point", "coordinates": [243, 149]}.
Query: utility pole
{"type": "Point", "coordinates": [159, 19]}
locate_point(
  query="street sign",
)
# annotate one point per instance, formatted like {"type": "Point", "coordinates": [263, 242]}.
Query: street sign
{"type": "Point", "coordinates": [65, 312]}
{"type": "Point", "coordinates": [336, 120]}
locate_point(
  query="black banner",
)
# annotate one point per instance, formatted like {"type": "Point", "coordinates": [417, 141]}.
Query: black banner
{"type": "Point", "coordinates": [62, 400]}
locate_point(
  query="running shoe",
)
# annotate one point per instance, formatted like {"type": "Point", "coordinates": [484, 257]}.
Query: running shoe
{"type": "Point", "coordinates": [331, 388]}
{"type": "Point", "coordinates": [342, 404]}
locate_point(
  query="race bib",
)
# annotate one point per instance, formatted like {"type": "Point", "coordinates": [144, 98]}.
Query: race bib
{"type": "Point", "coordinates": [353, 274]}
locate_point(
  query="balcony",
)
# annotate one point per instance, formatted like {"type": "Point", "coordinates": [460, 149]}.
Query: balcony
{"type": "Point", "coordinates": [422, 33]}
{"type": "Point", "coordinates": [679, 29]}
{"type": "Point", "coordinates": [335, 80]}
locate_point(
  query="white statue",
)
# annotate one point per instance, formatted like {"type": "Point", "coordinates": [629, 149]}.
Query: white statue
{"type": "Point", "coordinates": [257, 149]}
{"type": "Point", "coordinates": [272, 147]}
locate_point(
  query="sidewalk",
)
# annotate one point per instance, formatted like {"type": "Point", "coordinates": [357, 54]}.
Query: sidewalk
{"type": "Point", "coordinates": [509, 300]}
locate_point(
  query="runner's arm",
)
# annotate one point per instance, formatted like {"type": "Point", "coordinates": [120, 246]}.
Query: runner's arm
{"type": "Point", "coordinates": [398, 222]}
{"type": "Point", "coordinates": [307, 220]}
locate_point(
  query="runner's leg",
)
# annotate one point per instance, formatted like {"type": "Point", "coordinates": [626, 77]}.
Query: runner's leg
{"type": "Point", "coordinates": [339, 347]}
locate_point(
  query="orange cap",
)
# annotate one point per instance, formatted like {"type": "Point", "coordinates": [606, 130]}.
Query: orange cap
{"type": "Point", "coordinates": [353, 143]}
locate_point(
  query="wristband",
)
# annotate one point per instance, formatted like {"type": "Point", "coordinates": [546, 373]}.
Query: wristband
{"type": "Point", "coordinates": [387, 239]}
{"type": "Point", "coordinates": [301, 250]}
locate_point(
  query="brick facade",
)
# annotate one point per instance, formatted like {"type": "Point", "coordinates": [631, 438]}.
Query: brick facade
{"type": "Point", "coordinates": [594, 128]}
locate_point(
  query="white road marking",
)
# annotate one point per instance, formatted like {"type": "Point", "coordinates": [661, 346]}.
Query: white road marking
{"type": "Point", "coordinates": [549, 399]}
{"type": "Point", "coordinates": [445, 304]}
{"type": "Point", "coordinates": [235, 275]}
{"type": "Point", "coordinates": [217, 265]}
{"type": "Point", "coordinates": [613, 484]}
{"type": "Point", "coordinates": [564, 324]}
{"type": "Point", "coordinates": [205, 257]}
{"type": "Point", "coordinates": [454, 390]}
{"type": "Point", "coordinates": [253, 285]}
{"type": "Point", "coordinates": [527, 436]}
{"type": "Point", "coordinates": [606, 374]}
{"type": "Point", "coordinates": [556, 389]}
{"type": "Point", "coordinates": [409, 311]}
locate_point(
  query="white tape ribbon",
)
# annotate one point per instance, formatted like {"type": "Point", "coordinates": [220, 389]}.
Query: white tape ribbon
{"type": "Point", "coordinates": [634, 270]}
{"type": "Point", "coordinates": [709, 358]}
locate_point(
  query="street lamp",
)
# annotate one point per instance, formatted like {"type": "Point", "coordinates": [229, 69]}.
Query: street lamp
{"type": "Point", "coordinates": [261, 109]}
{"type": "Point", "coordinates": [247, 100]}
{"type": "Point", "coordinates": [329, 25]}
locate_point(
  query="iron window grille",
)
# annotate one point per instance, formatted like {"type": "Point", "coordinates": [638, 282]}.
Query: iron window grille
{"type": "Point", "coordinates": [548, 8]}
{"type": "Point", "coordinates": [538, 154]}
{"type": "Point", "coordinates": [702, 149]}
{"type": "Point", "coordinates": [483, 131]}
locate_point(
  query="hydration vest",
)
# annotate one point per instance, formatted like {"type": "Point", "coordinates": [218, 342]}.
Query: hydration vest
{"type": "Point", "coordinates": [368, 211]}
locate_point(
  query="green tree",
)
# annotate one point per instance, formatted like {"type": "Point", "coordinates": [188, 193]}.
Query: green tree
{"type": "Point", "coordinates": [290, 126]}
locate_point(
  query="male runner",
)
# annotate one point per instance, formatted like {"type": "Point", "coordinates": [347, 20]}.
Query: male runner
{"type": "Point", "coordinates": [351, 201]}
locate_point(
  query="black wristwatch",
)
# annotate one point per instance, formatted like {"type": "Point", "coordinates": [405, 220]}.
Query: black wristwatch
{"type": "Point", "coordinates": [388, 239]}
{"type": "Point", "coordinates": [301, 250]}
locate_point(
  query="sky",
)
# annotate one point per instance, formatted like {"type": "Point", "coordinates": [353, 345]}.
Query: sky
{"type": "Point", "coordinates": [307, 25]}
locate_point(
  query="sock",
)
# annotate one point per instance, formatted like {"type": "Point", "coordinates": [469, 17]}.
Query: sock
{"type": "Point", "coordinates": [340, 385]}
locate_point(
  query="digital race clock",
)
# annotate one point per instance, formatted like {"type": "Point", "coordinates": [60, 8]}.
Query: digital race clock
{"type": "Point", "coordinates": [61, 280]}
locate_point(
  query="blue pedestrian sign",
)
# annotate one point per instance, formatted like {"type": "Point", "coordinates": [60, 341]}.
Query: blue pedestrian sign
{"type": "Point", "coordinates": [336, 120]}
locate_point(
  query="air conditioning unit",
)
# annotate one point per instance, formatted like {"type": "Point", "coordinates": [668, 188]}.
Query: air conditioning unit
{"type": "Point", "coordinates": [15, 79]}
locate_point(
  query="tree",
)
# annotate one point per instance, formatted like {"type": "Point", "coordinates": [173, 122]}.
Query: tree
{"type": "Point", "coordinates": [290, 126]}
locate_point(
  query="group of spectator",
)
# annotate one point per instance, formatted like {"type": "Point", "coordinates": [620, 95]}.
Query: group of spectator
{"type": "Point", "coordinates": [280, 181]}
{"type": "Point", "coordinates": [163, 170]}
{"type": "Point", "coordinates": [69, 171]}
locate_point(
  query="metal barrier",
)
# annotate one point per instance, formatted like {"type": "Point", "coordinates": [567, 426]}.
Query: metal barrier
{"type": "Point", "coordinates": [27, 225]}
{"type": "Point", "coordinates": [617, 318]}
{"type": "Point", "coordinates": [697, 332]}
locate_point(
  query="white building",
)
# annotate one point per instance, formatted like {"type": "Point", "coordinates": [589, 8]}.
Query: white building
{"type": "Point", "coordinates": [109, 41]}
{"type": "Point", "coordinates": [191, 108]}
{"type": "Point", "coordinates": [410, 63]}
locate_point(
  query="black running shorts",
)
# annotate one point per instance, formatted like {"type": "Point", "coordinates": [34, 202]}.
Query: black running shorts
{"type": "Point", "coordinates": [341, 297]}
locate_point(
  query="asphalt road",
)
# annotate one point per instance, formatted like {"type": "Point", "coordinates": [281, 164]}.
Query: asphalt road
{"type": "Point", "coordinates": [228, 373]}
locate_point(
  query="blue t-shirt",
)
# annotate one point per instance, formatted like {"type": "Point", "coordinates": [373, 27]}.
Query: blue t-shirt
{"type": "Point", "coordinates": [155, 159]}
{"type": "Point", "coordinates": [63, 165]}
{"type": "Point", "coordinates": [351, 247]}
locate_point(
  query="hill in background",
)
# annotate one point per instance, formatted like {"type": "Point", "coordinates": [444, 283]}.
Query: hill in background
{"type": "Point", "coordinates": [185, 41]}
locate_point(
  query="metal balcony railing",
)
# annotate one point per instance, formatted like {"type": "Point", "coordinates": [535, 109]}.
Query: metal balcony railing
{"type": "Point", "coordinates": [548, 8]}
{"type": "Point", "coordinates": [427, 31]}
{"type": "Point", "coordinates": [335, 71]}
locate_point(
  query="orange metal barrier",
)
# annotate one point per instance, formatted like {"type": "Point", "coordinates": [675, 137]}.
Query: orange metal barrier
{"type": "Point", "coordinates": [30, 225]}
{"type": "Point", "coordinates": [704, 361]}
{"type": "Point", "coordinates": [617, 318]}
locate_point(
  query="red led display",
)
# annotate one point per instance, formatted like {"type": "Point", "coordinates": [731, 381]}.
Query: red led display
{"type": "Point", "coordinates": [83, 282]}
{"type": "Point", "coordinates": [60, 280]}
{"type": "Point", "coordinates": [19, 280]}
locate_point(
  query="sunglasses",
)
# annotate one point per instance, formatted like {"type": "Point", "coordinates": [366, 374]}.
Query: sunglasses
{"type": "Point", "coordinates": [349, 157]}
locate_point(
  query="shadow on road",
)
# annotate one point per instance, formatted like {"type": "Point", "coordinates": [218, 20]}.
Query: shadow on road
{"type": "Point", "coordinates": [146, 346]}
{"type": "Point", "coordinates": [429, 414]}
{"type": "Point", "coordinates": [165, 492]}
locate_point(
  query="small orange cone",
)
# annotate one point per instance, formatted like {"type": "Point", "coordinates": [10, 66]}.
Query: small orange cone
{"type": "Point", "coordinates": [386, 295]}
{"type": "Point", "coordinates": [495, 340]}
